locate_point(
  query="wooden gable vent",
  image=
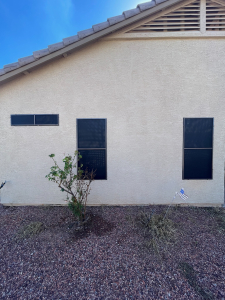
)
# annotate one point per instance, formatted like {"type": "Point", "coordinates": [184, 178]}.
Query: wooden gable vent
{"type": "Point", "coordinates": [215, 16]}
{"type": "Point", "coordinates": [186, 18]}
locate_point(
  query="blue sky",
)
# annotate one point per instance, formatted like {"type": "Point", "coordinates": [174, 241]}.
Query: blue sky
{"type": "Point", "coordinates": [30, 25]}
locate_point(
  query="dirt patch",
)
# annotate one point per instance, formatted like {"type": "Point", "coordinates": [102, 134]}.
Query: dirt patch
{"type": "Point", "coordinates": [96, 224]}
{"type": "Point", "coordinates": [100, 226]}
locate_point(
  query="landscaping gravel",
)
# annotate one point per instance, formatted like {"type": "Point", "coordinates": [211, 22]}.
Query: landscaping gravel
{"type": "Point", "coordinates": [43, 256]}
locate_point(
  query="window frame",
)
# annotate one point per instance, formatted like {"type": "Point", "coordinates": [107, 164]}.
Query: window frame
{"type": "Point", "coordinates": [34, 115]}
{"type": "Point", "coordinates": [183, 148]}
{"type": "Point", "coordinates": [105, 119]}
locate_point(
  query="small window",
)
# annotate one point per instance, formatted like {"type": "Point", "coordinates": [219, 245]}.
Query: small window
{"type": "Point", "coordinates": [22, 120]}
{"type": "Point", "coordinates": [34, 120]}
{"type": "Point", "coordinates": [198, 148]}
{"type": "Point", "coordinates": [91, 141]}
{"type": "Point", "coordinates": [46, 119]}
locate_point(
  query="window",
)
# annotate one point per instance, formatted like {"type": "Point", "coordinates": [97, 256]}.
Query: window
{"type": "Point", "coordinates": [34, 120]}
{"type": "Point", "coordinates": [91, 144]}
{"type": "Point", "coordinates": [198, 148]}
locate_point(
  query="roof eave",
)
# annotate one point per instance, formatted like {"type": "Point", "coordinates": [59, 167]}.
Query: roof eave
{"type": "Point", "coordinates": [85, 41]}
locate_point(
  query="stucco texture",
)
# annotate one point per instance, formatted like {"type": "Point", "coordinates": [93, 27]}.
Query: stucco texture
{"type": "Point", "coordinates": [144, 88]}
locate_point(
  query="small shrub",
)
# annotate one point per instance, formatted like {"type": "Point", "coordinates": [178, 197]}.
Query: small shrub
{"type": "Point", "coordinates": [157, 228]}
{"type": "Point", "coordinates": [74, 181]}
{"type": "Point", "coordinates": [157, 225]}
{"type": "Point", "coordinates": [31, 229]}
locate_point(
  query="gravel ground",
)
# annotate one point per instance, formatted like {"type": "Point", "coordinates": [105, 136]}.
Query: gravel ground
{"type": "Point", "coordinates": [110, 260]}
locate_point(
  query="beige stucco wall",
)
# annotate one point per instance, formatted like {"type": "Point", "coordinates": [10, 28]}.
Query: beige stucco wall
{"type": "Point", "coordinates": [144, 88]}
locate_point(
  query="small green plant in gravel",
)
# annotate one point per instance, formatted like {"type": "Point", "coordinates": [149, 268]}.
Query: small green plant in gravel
{"type": "Point", "coordinates": [189, 273]}
{"type": "Point", "coordinates": [157, 227]}
{"type": "Point", "coordinates": [131, 219]}
{"type": "Point", "coordinates": [74, 181]}
{"type": "Point", "coordinates": [156, 224]}
{"type": "Point", "coordinates": [30, 230]}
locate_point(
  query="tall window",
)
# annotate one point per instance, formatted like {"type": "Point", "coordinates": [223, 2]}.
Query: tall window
{"type": "Point", "coordinates": [91, 144]}
{"type": "Point", "coordinates": [198, 148]}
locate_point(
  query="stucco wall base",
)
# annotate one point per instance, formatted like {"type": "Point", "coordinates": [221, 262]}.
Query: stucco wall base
{"type": "Point", "coordinates": [93, 205]}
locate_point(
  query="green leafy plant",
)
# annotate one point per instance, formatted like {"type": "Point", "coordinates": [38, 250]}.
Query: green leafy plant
{"type": "Point", "coordinates": [74, 181]}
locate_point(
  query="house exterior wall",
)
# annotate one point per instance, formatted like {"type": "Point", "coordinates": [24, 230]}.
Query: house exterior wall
{"type": "Point", "coordinates": [144, 88]}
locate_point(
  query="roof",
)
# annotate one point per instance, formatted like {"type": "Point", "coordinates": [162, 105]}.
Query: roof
{"type": "Point", "coordinates": [70, 44]}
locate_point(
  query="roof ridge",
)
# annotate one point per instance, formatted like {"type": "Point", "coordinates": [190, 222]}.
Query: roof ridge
{"type": "Point", "coordinates": [80, 35]}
